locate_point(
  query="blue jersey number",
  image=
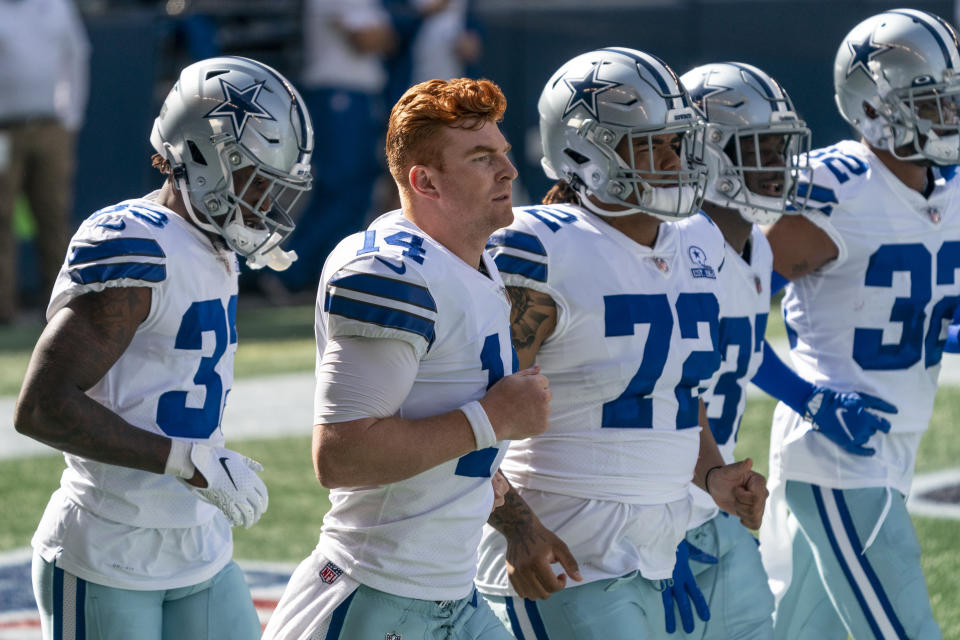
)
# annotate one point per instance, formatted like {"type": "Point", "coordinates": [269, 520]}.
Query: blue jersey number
{"type": "Point", "coordinates": [634, 407]}
{"type": "Point", "coordinates": [917, 335]}
{"type": "Point", "coordinates": [840, 164]}
{"type": "Point", "coordinates": [412, 244]}
{"type": "Point", "coordinates": [173, 415]}
{"type": "Point", "coordinates": [733, 332]}
{"type": "Point", "coordinates": [479, 464]}
{"type": "Point", "coordinates": [728, 390]}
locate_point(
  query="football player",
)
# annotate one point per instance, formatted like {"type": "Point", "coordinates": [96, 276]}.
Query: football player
{"type": "Point", "coordinates": [872, 267]}
{"type": "Point", "coordinates": [754, 139]}
{"type": "Point", "coordinates": [416, 391]}
{"type": "Point", "coordinates": [614, 292]}
{"type": "Point", "coordinates": [130, 377]}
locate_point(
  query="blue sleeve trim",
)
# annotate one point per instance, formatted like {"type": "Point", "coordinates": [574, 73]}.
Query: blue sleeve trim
{"type": "Point", "coordinates": [517, 240]}
{"type": "Point", "coordinates": [780, 381]}
{"type": "Point", "coordinates": [118, 271]}
{"type": "Point", "coordinates": [398, 290]}
{"type": "Point", "coordinates": [528, 268]}
{"type": "Point", "coordinates": [115, 248]}
{"type": "Point", "coordinates": [380, 316]}
{"type": "Point", "coordinates": [777, 282]}
{"type": "Point", "coordinates": [477, 464]}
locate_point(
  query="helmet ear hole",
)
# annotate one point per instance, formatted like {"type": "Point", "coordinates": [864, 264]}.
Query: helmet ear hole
{"type": "Point", "coordinates": [577, 157]}
{"type": "Point", "coordinates": [870, 111]}
{"type": "Point", "coordinates": [195, 153]}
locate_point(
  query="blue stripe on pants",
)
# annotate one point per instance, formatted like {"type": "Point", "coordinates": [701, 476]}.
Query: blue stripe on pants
{"type": "Point", "coordinates": [535, 620]}
{"type": "Point", "coordinates": [57, 604]}
{"type": "Point", "coordinates": [818, 498]}
{"type": "Point", "coordinates": [865, 564]}
{"type": "Point", "coordinates": [338, 618]}
{"type": "Point", "coordinates": [514, 622]}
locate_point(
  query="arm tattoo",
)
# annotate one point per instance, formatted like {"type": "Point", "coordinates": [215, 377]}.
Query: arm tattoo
{"type": "Point", "coordinates": [514, 518]}
{"type": "Point", "coordinates": [799, 269]}
{"type": "Point", "coordinates": [532, 315]}
{"type": "Point", "coordinates": [78, 347]}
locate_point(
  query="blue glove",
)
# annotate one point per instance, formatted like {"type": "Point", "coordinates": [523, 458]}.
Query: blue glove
{"type": "Point", "coordinates": [843, 417]}
{"type": "Point", "coordinates": [683, 589]}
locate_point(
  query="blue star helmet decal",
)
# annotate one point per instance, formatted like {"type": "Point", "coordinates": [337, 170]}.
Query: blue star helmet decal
{"type": "Point", "coordinates": [240, 104]}
{"type": "Point", "coordinates": [585, 91]}
{"type": "Point", "coordinates": [863, 53]}
{"type": "Point", "coordinates": [701, 94]}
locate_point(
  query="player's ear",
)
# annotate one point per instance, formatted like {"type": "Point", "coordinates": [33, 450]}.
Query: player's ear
{"type": "Point", "coordinates": [422, 182]}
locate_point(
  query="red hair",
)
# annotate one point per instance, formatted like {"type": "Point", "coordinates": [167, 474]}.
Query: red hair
{"type": "Point", "coordinates": [426, 108]}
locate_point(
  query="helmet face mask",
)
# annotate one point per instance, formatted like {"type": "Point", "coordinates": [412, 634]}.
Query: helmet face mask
{"type": "Point", "coordinates": [607, 118]}
{"type": "Point", "coordinates": [755, 142]}
{"type": "Point", "coordinates": [896, 80]}
{"type": "Point", "coordinates": [239, 140]}
{"type": "Point", "coordinates": [931, 114]}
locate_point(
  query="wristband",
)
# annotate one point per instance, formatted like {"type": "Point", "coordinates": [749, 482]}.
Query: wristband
{"type": "Point", "coordinates": [706, 477]}
{"type": "Point", "coordinates": [178, 462]}
{"type": "Point", "coordinates": [483, 431]}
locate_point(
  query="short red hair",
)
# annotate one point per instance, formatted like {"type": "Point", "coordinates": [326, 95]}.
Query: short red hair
{"type": "Point", "coordinates": [428, 107]}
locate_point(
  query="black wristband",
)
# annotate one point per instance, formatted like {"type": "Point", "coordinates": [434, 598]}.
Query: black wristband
{"type": "Point", "coordinates": [706, 477]}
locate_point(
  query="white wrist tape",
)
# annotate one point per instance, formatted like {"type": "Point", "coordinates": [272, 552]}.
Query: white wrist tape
{"type": "Point", "coordinates": [483, 431]}
{"type": "Point", "coordinates": [178, 462]}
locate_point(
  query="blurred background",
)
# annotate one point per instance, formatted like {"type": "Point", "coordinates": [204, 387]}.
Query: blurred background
{"type": "Point", "coordinates": [353, 58]}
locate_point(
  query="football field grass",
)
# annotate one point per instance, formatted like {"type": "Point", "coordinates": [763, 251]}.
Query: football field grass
{"type": "Point", "coordinates": [280, 340]}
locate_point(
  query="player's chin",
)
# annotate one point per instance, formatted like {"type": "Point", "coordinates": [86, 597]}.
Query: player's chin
{"type": "Point", "coordinates": [502, 212]}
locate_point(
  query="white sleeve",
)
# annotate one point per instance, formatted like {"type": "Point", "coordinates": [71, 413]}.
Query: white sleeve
{"type": "Point", "coordinates": [363, 378]}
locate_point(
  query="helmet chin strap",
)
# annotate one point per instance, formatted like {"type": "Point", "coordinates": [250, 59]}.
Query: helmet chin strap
{"type": "Point", "coordinates": [591, 206]}
{"type": "Point", "coordinates": [180, 182]}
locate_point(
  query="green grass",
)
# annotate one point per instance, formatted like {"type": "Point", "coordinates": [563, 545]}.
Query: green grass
{"type": "Point", "coordinates": [939, 449]}
{"type": "Point", "coordinates": [281, 340]}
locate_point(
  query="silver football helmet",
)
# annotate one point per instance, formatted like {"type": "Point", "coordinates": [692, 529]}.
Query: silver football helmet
{"type": "Point", "coordinates": [619, 99]}
{"type": "Point", "coordinates": [225, 115]}
{"type": "Point", "coordinates": [904, 64]}
{"type": "Point", "coordinates": [753, 142]}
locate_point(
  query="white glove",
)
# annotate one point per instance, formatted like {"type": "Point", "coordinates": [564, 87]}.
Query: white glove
{"type": "Point", "coordinates": [233, 485]}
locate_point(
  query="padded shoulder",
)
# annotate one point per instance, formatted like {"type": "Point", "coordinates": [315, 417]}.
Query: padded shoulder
{"type": "Point", "coordinates": [377, 297]}
{"type": "Point", "coordinates": [837, 173]}
{"type": "Point", "coordinates": [523, 250]}
{"type": "Point", "coordinates": [120, 246]}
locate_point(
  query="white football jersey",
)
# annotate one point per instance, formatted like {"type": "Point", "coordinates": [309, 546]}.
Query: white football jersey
{"type": "Point", "coordinates": [418, 537]}
{"type": "Point", "coordinates": [636, 340]}
{"type": "Point", "coordinates": [745, 281]}
{"type": "Point", "coordinates": [172, 380]}
{"type": "Point", "coordinates": [875, 319]}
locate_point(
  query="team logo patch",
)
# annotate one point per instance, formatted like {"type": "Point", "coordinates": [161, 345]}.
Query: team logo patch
{"type": "Point", "coordinates": [699, 258]}
{"type": "Point", "coordinates": [392, 636]}
{"type": "Point", "coordinates": [758, 283]}
{"type": "Point", "coordinates": [330, 573]}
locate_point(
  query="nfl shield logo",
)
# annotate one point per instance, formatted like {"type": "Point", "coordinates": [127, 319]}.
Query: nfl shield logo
{"type": "Point", "coordinates": [330, 573]}
{"type": "Point", "coordinates": [392, 636]}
